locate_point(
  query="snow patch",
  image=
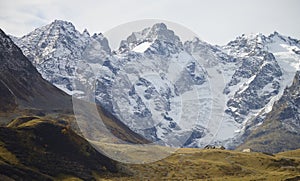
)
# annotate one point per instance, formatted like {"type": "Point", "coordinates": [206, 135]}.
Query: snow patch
{"type": "Point", "coordinates": [141, 48]}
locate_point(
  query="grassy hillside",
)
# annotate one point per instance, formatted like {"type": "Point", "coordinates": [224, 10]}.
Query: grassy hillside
{"type": "Point", "coordinates": [41, 148]}
{"type": "Point", "coordinates": [34, 148]}
{"type": "Point", "coordinates": [196, 164]}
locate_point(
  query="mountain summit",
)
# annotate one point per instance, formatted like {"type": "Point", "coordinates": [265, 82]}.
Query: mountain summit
{"type": "Point", "coordinates": [156, 36]}
{"type": "Point", "coordinates": [58, 51]}
{"type": "Point", "coordinates": [22, 85]}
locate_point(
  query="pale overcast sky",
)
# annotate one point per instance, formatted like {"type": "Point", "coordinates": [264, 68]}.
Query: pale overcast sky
{"type": "Point", "coordinates": [215, 21]}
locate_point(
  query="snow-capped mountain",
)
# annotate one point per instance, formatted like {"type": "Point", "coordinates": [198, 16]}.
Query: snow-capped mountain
{"type": "Point", "coordinates": [280, 127]}
{"type": "Point", "coordinates": [151, 90]}
{"type": "Point", "coordinates": [173, 92]}
{"type": "Point", "coordinates": [268, 66]}
{"type": "Point", "coordinates": [21, 85]}
{"type": "Point", "coordinates": [57, 50]}
{"type": "Point", "coordinates": [156, 87]}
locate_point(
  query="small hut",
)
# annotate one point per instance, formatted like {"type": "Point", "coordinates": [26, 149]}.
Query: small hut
{"type": "Point", "coordinates": [247, 150]}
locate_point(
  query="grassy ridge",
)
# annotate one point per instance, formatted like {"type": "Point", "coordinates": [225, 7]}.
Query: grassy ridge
{"type": "Point", "coordinates": [40, 148]}
{"type": "Point", "coordinates": [34, 148]}
{"type": "Point", "coordinates": [196, 164]}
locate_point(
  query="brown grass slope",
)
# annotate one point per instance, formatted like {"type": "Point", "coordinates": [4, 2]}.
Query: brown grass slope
{"type": "Point", "coordinates": [196, 164]}
{"type": "Point", "coordinates": [40, 148]}
{"type": "Point", "coordinates": [33, 148]}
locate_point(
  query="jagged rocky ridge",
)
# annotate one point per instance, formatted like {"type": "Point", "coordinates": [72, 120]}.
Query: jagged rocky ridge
{"type": "Point", "coordinates": [21, 84]}
{"type": "Point", "coordinates": [164, 88]}
{"type": "Point", "coordinates": [279, 130]}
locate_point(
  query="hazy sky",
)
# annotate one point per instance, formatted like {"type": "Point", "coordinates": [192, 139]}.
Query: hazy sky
{"type": "Point", "coordinates": [215, 21]}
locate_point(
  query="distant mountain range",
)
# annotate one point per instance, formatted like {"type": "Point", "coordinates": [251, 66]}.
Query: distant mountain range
{"type": "Point", "coordinates": [177, 93]}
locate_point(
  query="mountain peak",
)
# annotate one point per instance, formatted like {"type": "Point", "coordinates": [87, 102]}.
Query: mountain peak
{"type": "Point", "coordinates": [247, 43]}
{"type": "Point", "coordinates": [275, 33]}
{"type": "Point", "coordinates": [158, 32]}
{"type": "Point", "coordinates": [63, 26]}
{"type": "Point", "coordinates": [159, 26]}
{"type": "Point", "coordinates": [61, 23]}
{"type": "Point", "coordinates": [98, 36]}
{"type": "Point", "coordinates": [196, 39]}
{"type": "Point", "coordinates": [161, 32]}
{"type": "Point", "coordinates": [275, 36]}
{"type": "Point", "coordinates": [252, 37]}
{"type": "Point", "coordinates": [22, 82]}
{"type": "Point", "coordinates": [86, 33]}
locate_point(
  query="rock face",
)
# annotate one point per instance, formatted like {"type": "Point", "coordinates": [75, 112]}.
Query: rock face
{"type": "Point", "coordinates": [280, 128]}
{"type": "Point", "coordinates": [154, 79]}
{"type": "Point", "coordinates": [256, 69]}
{"type": "Point", "coordinates": [56, 51]}
{"type": "Point", "coordinates": [7, 99]}
{"type": "Point", "coordinates": [264, 84]}
{"type": "Point", "coordinates": [21, 85]}
{"type": "Point", "coordinates": [176, 93]}
{"type": "Point", "coordinates": [289, 103]}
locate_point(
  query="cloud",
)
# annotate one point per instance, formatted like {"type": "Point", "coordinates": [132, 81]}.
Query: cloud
{"type": "Point", "coordinates": [216, 21]}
